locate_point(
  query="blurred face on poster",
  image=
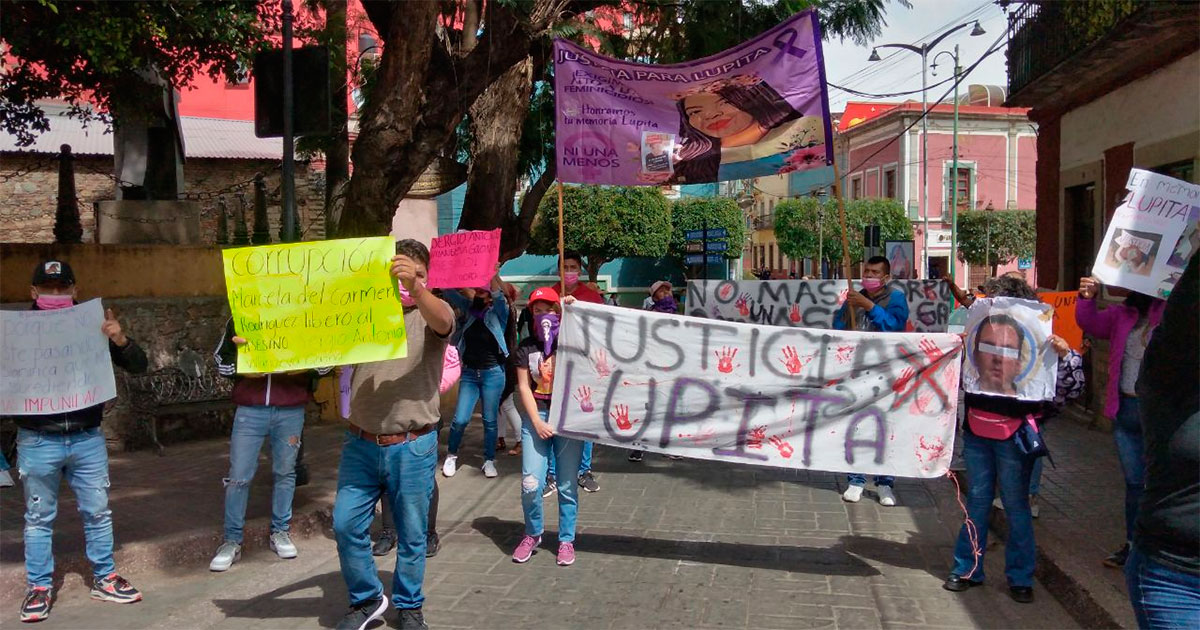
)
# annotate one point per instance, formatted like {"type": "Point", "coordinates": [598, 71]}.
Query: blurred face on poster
{"type": "Point", "coordinates": [998, 355]}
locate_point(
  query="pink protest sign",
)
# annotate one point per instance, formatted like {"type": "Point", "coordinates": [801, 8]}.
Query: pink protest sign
{"type": "Point", "coordinates": [464, 259]}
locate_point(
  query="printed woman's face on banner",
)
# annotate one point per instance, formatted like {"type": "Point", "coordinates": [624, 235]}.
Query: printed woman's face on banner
{"type": "Point", "coordinates": [713, 116]}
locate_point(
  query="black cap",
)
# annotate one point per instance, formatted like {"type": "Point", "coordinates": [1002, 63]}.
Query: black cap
{"type": "Point", "coordinates": [53, 271]}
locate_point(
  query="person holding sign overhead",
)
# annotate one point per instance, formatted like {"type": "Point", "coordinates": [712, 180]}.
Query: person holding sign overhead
{"type": "Point", "coordinates": [391, 447]}
{"type": "Point", "coordinates": [70, 445]}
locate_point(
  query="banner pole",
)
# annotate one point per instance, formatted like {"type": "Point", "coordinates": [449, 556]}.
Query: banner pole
{"type": "Point", "coordinates": [837, 192]}
{"type": "Point", "coordinates": [562, 276]}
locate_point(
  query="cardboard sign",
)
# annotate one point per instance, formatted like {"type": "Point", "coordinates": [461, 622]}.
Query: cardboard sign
{"type": "Point", "coordinates": [1008, 352]}
{"type": "Point", "coordinates": [1064, 324]}
{"type": "Point", "coordinates": [878, 403]}
{"type": "Point", "coordinates": [54, 361]}
{"type": "Point", "coordinates": [464, 260]}
{"type": "Point", "coordinates": [315, 304]}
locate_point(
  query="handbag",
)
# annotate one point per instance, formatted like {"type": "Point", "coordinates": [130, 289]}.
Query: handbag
{"type": "Point", "coordinates": [1030, 441]}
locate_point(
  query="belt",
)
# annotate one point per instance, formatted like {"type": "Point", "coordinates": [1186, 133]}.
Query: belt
{"type": "Point", "coordinates": [387, 439]}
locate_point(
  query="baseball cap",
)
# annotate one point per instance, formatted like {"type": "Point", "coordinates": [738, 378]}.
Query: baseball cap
{"type": "Point", "coordinates": [546, 294]}
{"type": "Point", "coordinates": [53, 271]}
{"type": "Point", "coordinates": [658, 285]}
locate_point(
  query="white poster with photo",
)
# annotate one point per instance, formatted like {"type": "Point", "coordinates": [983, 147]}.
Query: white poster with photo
{"type": "Point", "coordinates": [657, 152]}
{"type": "Point", "coordinates": [1008, 349]}
{"type": "Point", "coordinates": [54, 361]}
{"type": "Point", "coordinates": [1151, 236]}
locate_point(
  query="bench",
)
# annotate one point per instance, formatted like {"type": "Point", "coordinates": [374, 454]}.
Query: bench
{"type": "Point", "coordinates": [191, 386]}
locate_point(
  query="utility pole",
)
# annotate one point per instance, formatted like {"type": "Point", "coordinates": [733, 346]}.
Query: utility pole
{"type": "Point", "coordinates": [953, 167]}
{"type": "Point", "coordinates": [287, 222]}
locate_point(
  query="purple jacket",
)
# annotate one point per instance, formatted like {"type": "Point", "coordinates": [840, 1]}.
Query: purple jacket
{"type": "Point", "coordinates": [1113, 324]}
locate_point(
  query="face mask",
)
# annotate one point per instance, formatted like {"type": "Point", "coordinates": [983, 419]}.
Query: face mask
{"type": "Point", "coordinates": [572, 278]}
{"type": "Point", "coordinates": [872, 284]}
{"type": "Point", "coordinates": [546, 328]}
{"type": "Point", "coordinates": [406, 300]}
{"type": "Point", "coordinates": [478, 307]}
{"type": "Point", "coordinates": [54, 302]}
{"type": "Point", "coordinates": [666, 305]}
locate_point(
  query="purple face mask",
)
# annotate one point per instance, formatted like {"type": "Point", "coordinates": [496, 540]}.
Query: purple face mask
{"type": "Point", "coordinates": [546, 328]}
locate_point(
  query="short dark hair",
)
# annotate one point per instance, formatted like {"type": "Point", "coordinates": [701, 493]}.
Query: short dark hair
{"type": "Point", "coordinates": [1002, 319]}
{"type": "Point", "coordinates": [1008, 286]}
{"type": "Point", "coordinates": [881, 260]}
{"type": "Point", "coordinates": [414, 249]}
{"type": "Point", "coordinates": [571, 254]}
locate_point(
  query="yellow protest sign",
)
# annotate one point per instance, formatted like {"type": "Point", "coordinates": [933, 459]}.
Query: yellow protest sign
{"type": "Point", "coordinates": [314, 304]}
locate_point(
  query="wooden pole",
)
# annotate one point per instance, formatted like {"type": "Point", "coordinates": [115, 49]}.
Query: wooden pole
{"type": "Point", "coordinates": [562, 276]}
{"type": "Point", "coordinates": [837, 192]}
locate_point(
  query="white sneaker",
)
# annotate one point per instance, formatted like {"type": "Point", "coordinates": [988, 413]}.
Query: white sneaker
{"type": "Point", "coordinates": [6, 480]}
{"type": "Point", "coordinates": [1033, 505]}
{"type": "Point", "coordinates": [228, 553]}
{"type": "Point", "coordinates": [282, 545]}
{"type": "Point", "coordinates": [852, 494]}
{"type": "Point", "coordinates": [489, 469]}
{"type": "Point", "coordinates": [887, 497]}
{"type": "Point", "coordinates": [450, 466]}
{"type": "Point", "coordinates": [997, 503]}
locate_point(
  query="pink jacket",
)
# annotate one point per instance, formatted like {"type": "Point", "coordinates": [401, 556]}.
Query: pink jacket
{"type": "Point", "coordinates": [1113, 324]}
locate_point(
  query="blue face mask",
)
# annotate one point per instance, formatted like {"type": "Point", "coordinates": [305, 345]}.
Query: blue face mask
{"type": "Point", "coordinates": [545, 326]}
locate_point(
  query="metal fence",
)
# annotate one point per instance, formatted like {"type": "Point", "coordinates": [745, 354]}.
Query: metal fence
{"type": "Point", "coordinates": [1041, 34]}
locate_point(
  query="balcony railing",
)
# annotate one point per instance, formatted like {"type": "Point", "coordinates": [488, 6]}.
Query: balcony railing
{"type": "Point", "coordinates": [1042, 34]}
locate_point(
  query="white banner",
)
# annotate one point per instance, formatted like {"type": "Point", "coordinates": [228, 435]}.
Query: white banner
{"type": "Point", "coordinates": [1151, 236]}
{"type": "Point", "coordinates": [809, 303]}
{"type": "Point", "coordinates": [54, 361]}
{"type": "Point", "coordinates": [875, 403]}
{"type": "Point", "coordinates": [1008, 353]}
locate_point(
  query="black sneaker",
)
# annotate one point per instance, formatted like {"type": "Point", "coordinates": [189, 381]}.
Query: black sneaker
{"type": "Point", "coordinates": [36, 606]}
{"type": "Point", "coordinates": [385, 543]}
{"type": "Point", "coordinates": [301, 475]}
{"type": "Point", "coordinates": [636, 456]}
{"type": "Point", "coordinates": [587, 481]}
{"type": "Point", "coordinates": [114, 588]}
{"type": "Point", "coordinates": [433, 544]}
{"type": "Point", "coordinates": [1021, 594]}
{"type": "Point", "coordinates": [412, 619]}
{"type": "Point", "coordinates": [958, 584]}
{"type": "Point", "coordinates": [361, 615]}
{"type": "Point", "coordinates": [1117, 559]}
{"type": "Point", "coordinates": [551, 487]}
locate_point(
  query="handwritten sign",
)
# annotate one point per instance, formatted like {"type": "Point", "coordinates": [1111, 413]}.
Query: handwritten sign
{"type": "Point", "coordinates": [314, 304]}
{"type": "Point", "coordinates": [1152, 235]}
{"type": "Point", "coordinates": [809, 303]}
{"type": "Point", "coordinates": [1008, 351]}
{"type": "Point", "coordinates": [881, 403]}
{"type": "Point", "coordinates": [54, 361]}
{"type": "Point", "coordinates": [1064, 324]}
{"type": "Point", "coordinates": [464, 259]}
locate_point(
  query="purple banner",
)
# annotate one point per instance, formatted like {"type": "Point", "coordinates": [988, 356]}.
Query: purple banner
{"type": "Point", "coordinates": [761, 108]}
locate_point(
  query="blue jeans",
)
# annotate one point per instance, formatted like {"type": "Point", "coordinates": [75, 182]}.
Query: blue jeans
{"type": "Point", "coordinates": [856, 479]}
{"type": "Point", "coordinates": [1131, 450]}
{"type": "Point", "coordinates": [585, 460]}
{"type": "Point", "coordinates": [42, 460]}
{"type": "Point", "coordinates": [1035, 477]}
{"type": "Point", "coordinates": [989, 461]}
{"type": "Point", "coordinates": [475, 384]}
{"type": "Point", "coordinates": [405, 473]}
{"type": "Point", "coordinates": [251, 426]}
{"type": "Point", "coordinates": [1162, 597]}
{"type": "Point", "coordinates": [535, 461]}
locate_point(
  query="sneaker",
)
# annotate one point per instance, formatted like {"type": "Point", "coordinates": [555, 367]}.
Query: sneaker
{"type": "Point", "coordinates": [361, 615]}
{"type": "Point", "coordinates": [449, 467]}
{"type": "Point", "coordinates": [228, 553]}
{"type": "Point", "coordinates": [887, 497]}
{"type": "Point", "coordinates": [6, 480]}
{"type": "Point", "coordinates": [500, 445]}
{"type": "Point", "coordinates": [998, 504]}
{"type": "Point", "coordinates": [1033, 505]}
{"type": "Point", "coordinates": [301, 475]}
{"type": "Point", "coordinates": [566, 554]}
{"type": "Point", "coordinates": [489, 469]}
{"type": "Point", "coordinates": [433, 544]}
{"type": "Point", "coordinates": [412, 619]}
{"type": "Point", "coordinates": [636, 456]}
{"type": "Point", "coordinates": [1021, 594]}
{"type": "Point", "coordinates": [587, 481]}
{"type": "Point", "coordinates": [959, 584]}
{"type": "Point", "coordinates": [114, 588]}
{"type": "Point", "coordinates": [1117, 559]}
{"type": "Point", "coordinates": [524, 550]}
{"type": "Point", "coordinates": [385, 543]}
{"type": "Point", "coordinates": [853, 494]}
{"type": "Point", "coordinates": [282, 545]}
{"type": "Point", "coordinates": [551, 487]}
{"type": "Point", "coordinates": [36, 606]}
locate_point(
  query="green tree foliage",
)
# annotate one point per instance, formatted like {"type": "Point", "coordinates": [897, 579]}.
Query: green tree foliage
{"type": "Point", "coordinates": [690, 213]}
{"type": "Point", "coordinates": [603, 223]}
{"type": "Point", "coordinates": [996, 237]}
{"type": "Point", "coordinates": [797, 221]}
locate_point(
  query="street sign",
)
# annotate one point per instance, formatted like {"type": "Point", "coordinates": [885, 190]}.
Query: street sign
{"type": "Point", "coordinates": [698, 235]}
{"type": "Point", "coordinates": [698, 259]}
{"type": "Point", "coordinates": [718, 233]}
{"type": "Point", "coordinates": [716, 246]}
{"type": "Point", "coordinates": [1024, 263]}
{"type": "Point", "coordinates": [694, 247]}
{"type": "Point", "coordinates": [694, 235]}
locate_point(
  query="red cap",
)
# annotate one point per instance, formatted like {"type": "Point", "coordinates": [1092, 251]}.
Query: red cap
{"type": "Point", "coordinates": [547, 294]}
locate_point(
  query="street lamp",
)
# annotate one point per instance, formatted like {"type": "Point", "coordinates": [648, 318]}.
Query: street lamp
{"type": "Point", "coordinates": [954, 166]}
{"type": "Point", "coordinates": [924, 50]}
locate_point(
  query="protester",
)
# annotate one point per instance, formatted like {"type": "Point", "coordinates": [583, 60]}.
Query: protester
{"type": "Point", "coordinates": [71, 445]}
{"type": "Point", "coordinates": [993, 455]}
{"type": "Point", "coordinates": [877, 308]}
{"type": "Point", "coordinates": [391, 448]}
{"type": "Point", "coordinates": [1163, 569]}
{"type": "Point", "coordinates": [659, 300]}
{"type": "Point", "coordinates": [572, 264]}
{"type": "Point", "coordinates": [535, 363]}
{"type": "Point", "coordinates": [484, 351]}
{"type": "Point", "coordinates": [269, 406]}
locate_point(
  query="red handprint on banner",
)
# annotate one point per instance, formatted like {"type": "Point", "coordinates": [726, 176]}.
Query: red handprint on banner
{"type": "Point", "coordinates": [785, 449]}
{"type": "Point", "coordinates": [756, 436]}
{"type": "Point", "coordinates": [600, 364]}
{"type": "Point", "coordinates": [621, 416]}
{"type": "Point", "coordinates": [725, 359]}
{"type": "Point", "coordinates": [844, 354]}
{"type": "Point", "coordinates": [584, 396]}
{"type": "Point", "coordinates": [794, 314]}
{"type": "Point", "coordinates": [743, 304]}
{"type": "Point", "coordinates": [792, 361]}
{"type": "Point", "coordinates": [902, 382]}
{"type": "Point", "coordinates": [931, 350]}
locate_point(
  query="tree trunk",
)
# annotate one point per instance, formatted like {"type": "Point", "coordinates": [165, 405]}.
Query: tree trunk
{"type": "Point", "coordinates": [594, 263]}
{"type": "Point", "coordinates": [514, 241]}
{"type": "Point", "coordinates": [337, 157]}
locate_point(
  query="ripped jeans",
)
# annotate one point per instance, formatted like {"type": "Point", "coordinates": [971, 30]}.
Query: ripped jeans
{"type": "Point", "coordinates": [252, 425]}
{"type": "Point", "coordinates": [42, 460]}
{"type": "Point", "coordinates": [535, 460]}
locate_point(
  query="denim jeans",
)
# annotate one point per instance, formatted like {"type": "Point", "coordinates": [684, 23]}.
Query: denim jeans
{"type": "Point", "coordinates": [251, 427]}
{"type": "Point", "coordinates": [1162, 597]}
{"type": "Point", "coordinates": [405, 473]}
{"type": "Point", "coordinates": [1035, 477]}
{"type": "Point", "coordinates": [989, 461]}
{"type": "Point", "coordinates": [475, 384]}
{"type": "Point", "coordinates": [856, 479]}
{"type": "Point", "coordinates": [535, 461]}
{"type": "Point", "coordinates": [42, 460]}
{"type": "Point", "coordinates": [585, 460]}
{"type": "Point", "coordinates": [1131, 450]}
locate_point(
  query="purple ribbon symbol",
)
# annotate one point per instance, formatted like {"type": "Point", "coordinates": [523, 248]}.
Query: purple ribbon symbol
{"type": "Point", "coordinates": [787, 46]}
